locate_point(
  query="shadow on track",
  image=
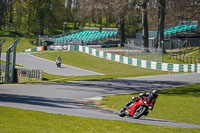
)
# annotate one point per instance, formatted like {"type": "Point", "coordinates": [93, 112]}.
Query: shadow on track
{"type": "Point", "coordinates": [40, 101]}
{"type": "Point", "coordinates": [111, 85]}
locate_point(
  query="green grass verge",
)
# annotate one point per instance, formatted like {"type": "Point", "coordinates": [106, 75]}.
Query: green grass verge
{"type": "Point", "coordinates": [23, 44]}
{"type": "Point", "coordinates": [57, 78]}
{"type": "Point", "coordinates": [182, 51]}
{"type": "Point", "coordinates": [179, 104]}
{"type": "Point", "coordinates": [166, 59]}
{"type": "Point", "coordinates": [4, 62]}
{"type": "Point", "coordinates": [25, 121]}
{"type": "Point", "coordinates": [173, 60]}
{"type": "Point", "coordinates": [194, 52]}
{"type": "Point", "coordinates": [111, 69]}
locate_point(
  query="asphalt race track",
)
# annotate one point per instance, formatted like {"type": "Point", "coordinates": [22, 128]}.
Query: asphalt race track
{"type": "Point", "coordinates": [34, 62]}
{"type": "Point", "coordinates": [70, 97]}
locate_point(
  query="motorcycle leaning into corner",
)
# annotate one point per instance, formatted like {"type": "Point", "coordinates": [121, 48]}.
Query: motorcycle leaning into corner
{"type": "Point", "coordinates": [139, 106]}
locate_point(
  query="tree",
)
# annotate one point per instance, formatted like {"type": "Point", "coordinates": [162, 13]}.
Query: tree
{"type": "Point", "coordinates": [2, 10]}
{"type": "Point", "coordinates": [121, 10]}
{"type": "Point", "coordinates": [161, 24]}
{"type": "Point", "coordinates": [143, 4]}
{"type": "Point", "coordinates": [5, 13]}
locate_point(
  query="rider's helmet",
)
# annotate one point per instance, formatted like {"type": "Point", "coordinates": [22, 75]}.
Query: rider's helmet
{"type": "Point", "coordinates": [154, 93]}
{"type": "Point", "coordinates": [133, 98]}
{"type": "Point", "coordinates": [141, 95]}
{"type": "Point", "coordinates": [58, 58]}
{"type": "Point", "coordinates": [147, 93]}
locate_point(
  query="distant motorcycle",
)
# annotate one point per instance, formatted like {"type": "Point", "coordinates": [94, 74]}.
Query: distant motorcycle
{"type": "Point", "coordinates": [137, 109]}
{"type": "Point", "coordinates": [58, 64]}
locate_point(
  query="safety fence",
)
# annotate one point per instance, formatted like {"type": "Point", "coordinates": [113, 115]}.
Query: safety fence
{"type": "Point", "coordinates": [35, 49]}
{"type": "Point", "coordinates": [68, 47]}
{"type": "Point", "coordinates": [140, 63]}
{"type": "Point", "coordinates": [27, 73]}
{"type": "Point", "coordinates": [140, 52]}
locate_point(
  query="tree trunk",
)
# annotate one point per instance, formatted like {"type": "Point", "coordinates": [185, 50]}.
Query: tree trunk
{"type": "Point", "coordinates": [145, 25]}
{"type": "Point", "coordinates": [1, 22]}
{"type": "Point", "coordinates": [75, 25]}
{"type": "Point", "coordinates": [100, 22]}
{"type": "Point", "coordinates": [122, 31]}
{"type": "Point", "coordinates": [10, 13]}
{"type": "Point", "coordinates": [161, 24]}
{"type": "Point", "coordinates": [79, 23]}
{"type": "Point", "coordinates": [1, 14]}
{"type": "Point", "coordinates": [106, 20]}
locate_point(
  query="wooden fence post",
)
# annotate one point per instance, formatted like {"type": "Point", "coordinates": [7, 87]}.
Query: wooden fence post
{"type": "Point", "coordinates": [191, 60]}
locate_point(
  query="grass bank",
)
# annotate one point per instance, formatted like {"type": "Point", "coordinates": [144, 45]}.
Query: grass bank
{"type": "Point", "coordinates": [23, 44]}
{"type": "Point", "coordinates": [25, 121]}
{"type": "Point", "coordinates": [179, 104]}
{"type": "Point", "coordinates": [111, 69]}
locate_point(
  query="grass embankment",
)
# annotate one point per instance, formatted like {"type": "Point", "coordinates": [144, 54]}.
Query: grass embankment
{"type": "Point", "coordinates": [179, 104]}
{"type": "Point", "coordinates": [111, 69]}
{"type": "Point", "coordinates": [23, 44]}
{"type": "Point", "coordinates": [166, 59]}
{"type": "Point", "coordinates": [176, 59]}
{"type": "Point", "coordinates": [25, 121]}
{"type": "Point", "coordinates": [193, 52]}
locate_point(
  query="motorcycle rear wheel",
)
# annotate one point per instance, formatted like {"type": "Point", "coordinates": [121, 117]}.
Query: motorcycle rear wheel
{"type": "Point", "coordinates": [58, 64]}
{"type": "Point", "coordinates": [139, 112]}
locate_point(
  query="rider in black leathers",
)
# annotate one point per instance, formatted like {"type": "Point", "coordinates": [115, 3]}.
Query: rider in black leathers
{"type": "Point", "coordinates": [58, 60]}
{"type": "Point", "coordinates": [151, 96]}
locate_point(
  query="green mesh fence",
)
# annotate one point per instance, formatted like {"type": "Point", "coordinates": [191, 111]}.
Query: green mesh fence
{"type": "Point", "coordinates": [139, 52]}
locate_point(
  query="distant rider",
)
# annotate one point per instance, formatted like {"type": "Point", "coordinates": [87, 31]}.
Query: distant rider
{"type": "Point", "coordinates": [58, 60]}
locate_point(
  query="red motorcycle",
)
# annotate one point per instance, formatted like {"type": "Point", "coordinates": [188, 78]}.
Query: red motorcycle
{"type": "Point", "coordinates": [137, 109]}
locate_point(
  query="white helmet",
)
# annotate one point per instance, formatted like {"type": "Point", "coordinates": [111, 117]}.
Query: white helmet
{"type": "Point", "coordinates": [147, 93]}
{"type": "Point", "coordinates": [141, 94]}
{"type": "Point", "coordinates": [133, 98]}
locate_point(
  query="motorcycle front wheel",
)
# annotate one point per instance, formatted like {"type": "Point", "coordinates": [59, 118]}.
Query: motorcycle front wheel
{"type": "Point", "coordinates": [122, 112]}
{"type": "Point", "coordinates": [139, 112]}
